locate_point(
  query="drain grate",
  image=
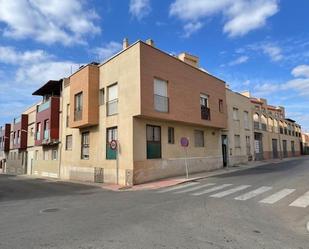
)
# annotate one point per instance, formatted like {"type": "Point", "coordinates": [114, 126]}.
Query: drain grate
{"type": "Point", "coordinates": [50, 210]}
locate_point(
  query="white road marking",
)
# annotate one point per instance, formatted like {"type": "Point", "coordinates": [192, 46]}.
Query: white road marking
{"type": "Point", "coordinates": [302, 201]}
{"type": "Point", "coordinates": [211, 189]}
{"type": "Point", "coordinates": [178, 187]}
{"type": "Point", "coordinates": [253, 193]}
{"type": "Point", "coordinates": [194, 188]}
{"type": "Point", "coordinates": [277, 196]}
{"type": "Point", "coordinates": [230, 191]}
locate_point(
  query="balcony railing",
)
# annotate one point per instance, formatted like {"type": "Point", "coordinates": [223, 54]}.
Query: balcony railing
{"type": "Point", "coordinates": [112, 107]}
{"type": "Point", "coordinates": [78, 115]}
{"type": "Point", "coordinates": [17, 120]}
{"type": "Point", "coordinates": [43, 106]}
{"type": "Point", "coordinates": [161, 103]}
{"type": "Point", "coordinates": [205, 112]}
{"type": "Point", "coordinates": [256, 125]}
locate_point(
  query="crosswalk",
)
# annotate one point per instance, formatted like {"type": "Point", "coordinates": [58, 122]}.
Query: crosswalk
{"type": "Point", "coordinates": [242, 192]}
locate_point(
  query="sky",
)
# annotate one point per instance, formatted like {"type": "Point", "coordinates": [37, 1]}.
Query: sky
{"type": "Point", "coordinates": [256, 45]}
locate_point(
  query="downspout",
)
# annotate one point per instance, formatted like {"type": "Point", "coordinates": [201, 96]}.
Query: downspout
{"type": "Point", "coordinates": [60, 132]}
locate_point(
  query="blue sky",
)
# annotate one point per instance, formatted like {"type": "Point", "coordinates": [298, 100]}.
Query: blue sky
{"type": "Point", "coordinates": [256, 45]}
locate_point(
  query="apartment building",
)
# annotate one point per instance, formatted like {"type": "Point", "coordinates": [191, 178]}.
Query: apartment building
{"type": "Point", "coordinates": [4, 145]}
{"type": "Point", "coordinates": [126, 116]}
{"type": "Point", "coordinates": [44, 152]}
{"type": "Point", "coordinates": [238, 139]}
{"type": "Point", "coordinates": [275, 135]}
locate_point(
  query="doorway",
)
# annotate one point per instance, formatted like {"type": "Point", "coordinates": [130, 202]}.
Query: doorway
{"type": "Point", "coordinates": [258, 146]}
{"type": "Point", "coordinates": [224, 149]}
{"type": "Point", "coordinates": [275, 148]}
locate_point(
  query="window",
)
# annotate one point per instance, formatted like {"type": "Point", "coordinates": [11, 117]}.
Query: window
{"type": "Point", "coordinates": [246, 120]}
{"type": "Point", "coordinates": [54, 154]}
{"type": "Point", "coordinates": [78, 106]}
{"type": "Point", "coordinates": [199, 138]}
{"type": "Point", "coordinates": [237, 141]}
{"type": "Point", "coordinates": [31, 131]}
{"type": "Point", "coordinates": [112, 100]}
{"type": "Point", "coordinates": [45, 155]}
{"type": "Point", "coordinates": [38, 131]}
{"type": "Point", "coordinates": [235, 114]}
{"type": "Point", "coordinates": [264, 122]}
{"type": "Point", "coordinates": [153, 136]}
{"type": "Point", "coordinates": [161, 101]}
{"type": "Point", "coordinates": [85, 146]}
{"type": "Point", "coordinates": [111, 134]}
{"type": "Point", "coordinates": [68, 142]}
{"type": "Point", "coordinates": [248, 146]}
{"type": "Point", "coordinates": [68, 115]}
{"type": "Point", "coordinates": [101, 96]}
{"type": "Point", "coordinates": [46, 129]}
{"type": "Point", "coordinates": [205, 111]}
{"type": "Point", "coordinates": [18, 137]}
{"type": "Point", "coordinates": [220, 105]}
{"type": "Point", "coordinates": [171, 136]}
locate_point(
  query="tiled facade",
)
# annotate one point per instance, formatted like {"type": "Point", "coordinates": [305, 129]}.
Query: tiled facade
{"type": "Point", "coordinates": [122, 122]}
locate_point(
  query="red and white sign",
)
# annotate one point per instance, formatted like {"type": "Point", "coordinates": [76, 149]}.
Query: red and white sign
{"type": "Point", "coordinates": [113, 144]}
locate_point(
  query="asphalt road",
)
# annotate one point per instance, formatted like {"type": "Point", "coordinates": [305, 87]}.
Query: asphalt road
{"type": "Point", "coordinates": [203, 214]}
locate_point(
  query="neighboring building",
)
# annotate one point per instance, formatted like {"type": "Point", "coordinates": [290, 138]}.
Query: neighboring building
{"type": "Point", "coordinates": [238, 139]}
{"type": "Point", "coordinates": [16, 160]}
{"type": "Point", "coordinates": [275, 135]}
{"type": "Point", "coordinates": [146, 100]}
{"type": "Point", "coordinates": [305, 144]}
{"type": "Point", "coordinates": [44, 154]}
{"type": "Point", "coordinates": [4, 145]}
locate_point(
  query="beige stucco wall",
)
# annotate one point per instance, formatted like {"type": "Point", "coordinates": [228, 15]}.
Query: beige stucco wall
{"type": "Point", "coordinates": [172, 163]}
{"type": "Point", "coordinates": [238, 155]}
{"type": "Point", "coordinates": [123, 70]}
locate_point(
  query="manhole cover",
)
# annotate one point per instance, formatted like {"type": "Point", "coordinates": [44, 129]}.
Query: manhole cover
{"type": "Point", "coordinates": [49, 210]}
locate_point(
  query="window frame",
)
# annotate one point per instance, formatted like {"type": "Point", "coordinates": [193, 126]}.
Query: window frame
{"type": "Point", "coordinates": [196, 144]}
{"type": "Point", "coordinates": [171, 135]}
{"type": "Point", "coordinates": [85, 145]}
{"type": "Point", "coordinates": [66, 142]}
{"type": "Point", "coordinates": [153, 141]}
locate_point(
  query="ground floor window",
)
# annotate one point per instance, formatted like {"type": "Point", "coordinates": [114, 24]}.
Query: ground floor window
{"type": "Point", "coordinates": [171, 135]}
{"type": "Point", "coordinates": [45, 155]}
{"type": "Point", "coordinates": [153, 136]}
{"type": "Point", "coordinates": [248, 146]}
{"type": "Point", "coordinates": [85, 146]}
{"type": "Point", "coordinates": [237, 141]}
{"type": "Point", "coordinates": [199, 138]}
{"type": "Point", "coordinates": [111, 134]}
{"type": "Point", "coordinates": [68, 142]}
{"type": "Point", "coordinates": [54, 154]}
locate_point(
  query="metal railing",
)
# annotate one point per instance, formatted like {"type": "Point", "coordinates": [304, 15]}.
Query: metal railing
{"type": "Point", "coordinates": [78, 115]}
{"type": "Point", "coordinates": [205, 112]}
{"type": "Point", "coordinates": [43, 106]}
{"type": "Point", "coordinates": [161, 103]}
{"type": "Point", "coordinates": [112, 107]}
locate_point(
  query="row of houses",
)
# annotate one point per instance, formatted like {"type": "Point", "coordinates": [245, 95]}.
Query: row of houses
{"type": "Point", "coordinates": [143, 115]}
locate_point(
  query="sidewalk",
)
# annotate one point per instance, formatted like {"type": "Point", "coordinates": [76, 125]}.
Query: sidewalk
{"type": "Point", "coordinates": [174, 180]}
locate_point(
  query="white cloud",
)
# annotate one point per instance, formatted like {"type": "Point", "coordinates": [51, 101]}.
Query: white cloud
{"type": "Point", "coordinates": [107, 50]}
{"type": "Point", "coordinates": [240, 60]}
{"type": "Point", "coordinates": [301, 70]}
{"type": "Point", "coordinates": [65, 22]}
{"type": "Point", "coordinates": [9, 55]}
{"type": "Point", "coordinates": [139, 8]}
{"type": "Point", "coordinates": [240, 16]}
{"type": "Point", "coordinates": [273, 51]}
{"type": "Point", "coordinates": [191, 27]}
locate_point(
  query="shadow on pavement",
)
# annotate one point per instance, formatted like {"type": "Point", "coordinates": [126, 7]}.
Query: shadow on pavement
{"type": "Point", "coordinates": [18, 188]}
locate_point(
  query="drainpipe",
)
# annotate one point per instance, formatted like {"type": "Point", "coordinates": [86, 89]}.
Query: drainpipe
{"type": "Point", "coordinates": [60, 133]}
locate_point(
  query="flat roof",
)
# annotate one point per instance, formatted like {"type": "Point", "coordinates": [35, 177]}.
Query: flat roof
{"type": "Point", "coordinates": [51, 87]}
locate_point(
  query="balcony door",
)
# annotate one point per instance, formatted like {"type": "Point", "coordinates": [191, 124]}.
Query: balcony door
{"type": "Point", "coordinates": [153, 134]}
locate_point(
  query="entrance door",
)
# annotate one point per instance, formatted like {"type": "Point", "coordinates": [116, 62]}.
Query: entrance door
{"type": "Point", "coordinates": [29, 162]}
{"type": "Point", "coordinates": [275, 148]}
{"type": "Point", "coordinates": [224, 149]}
{"type": "Point", "coordinates": [285, 149]}
{"type": "Point", "coordinates": [293, 148]}
{"type": "Point", "coordinates": [258, 146]}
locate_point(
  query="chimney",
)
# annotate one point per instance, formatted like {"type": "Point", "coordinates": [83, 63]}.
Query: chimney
{"type": "Point", "coordinates": [150, 42]}
{"type": "Point", "coordinates": [125, 43]}
{"type": "Point", "coordinates": [189, 59]}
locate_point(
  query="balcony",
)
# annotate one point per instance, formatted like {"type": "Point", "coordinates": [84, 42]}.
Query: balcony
{"type": "Point", "coordinates": [20, 127]}
{"type": "Point", "coordinates": [112, 107]}
{"type": "Point", "coordinates": [205, 113]}
{"type": "Point", "coordinates": [161, 103]}
{"type": "Point", "coordinates": [44, 106]}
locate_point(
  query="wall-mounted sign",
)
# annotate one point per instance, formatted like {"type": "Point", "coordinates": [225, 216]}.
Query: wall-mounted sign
{"type": "Point", "coordinates": [184, 142]}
